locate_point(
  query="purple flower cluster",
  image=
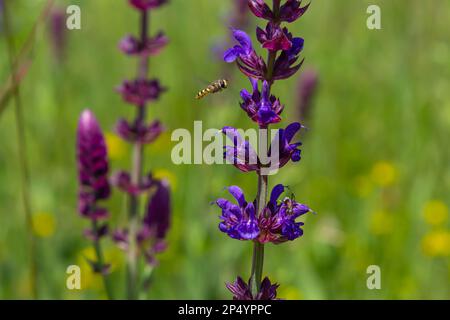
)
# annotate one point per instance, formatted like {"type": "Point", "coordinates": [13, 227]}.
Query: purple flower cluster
{"type": "Point", "coordinates": [151, 236]}
{"type": "Point", "coordinates": [92, 168]}
{"type": "Point", "coordinates": [242, 155]}
{"type": "Point", "coordinates": [264, 220]}
{"type": "Point", "coordinates": [276, 223]}
{"type": "Point", "coordinates": [307, 88]}
{"type": "Point", "coordinates": [143, 236]}
{"type": "Point", "coordinates": [139, 92]}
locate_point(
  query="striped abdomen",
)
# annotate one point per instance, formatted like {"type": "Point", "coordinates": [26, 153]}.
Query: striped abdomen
{"type": "Point", "coordinates": [214, 87]}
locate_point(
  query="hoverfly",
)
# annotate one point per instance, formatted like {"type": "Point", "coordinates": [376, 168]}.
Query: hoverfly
{"type": "Point", "coordinates": [213, 87]}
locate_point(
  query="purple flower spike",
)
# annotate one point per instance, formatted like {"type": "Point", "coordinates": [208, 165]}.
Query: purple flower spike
{"type": "Point", "coordinates": [248, 61]}
{"type": "Point", "coordinates": [274, 38]}
{"type": "Point", "coordinates": [132, 46]}
{"type": "Point", "coordinates": [307, 88]}
{"type": "Point", "coordinates": [241, 290]}
{"type": "Point", "coordinates": [147, 4]}
{"type": "Point", "coordinates": [92, 167]}
{"type": "Point", "coordinates": [157, 219]}
{"type": "Point", "coordinates": [238, 221]}
{"type": "Point", "coordinates": [292, 10]}
{"type": "Point", "coordinates": [260, 107]}
{"type": "Point", "coordinates": [139, 92]}
{"type": "Point", "coordinates": [58, 33]}
{"type": "Point", "coordinates": [139, 132]}
{"type": "Point", "coordinates": [260, 9]}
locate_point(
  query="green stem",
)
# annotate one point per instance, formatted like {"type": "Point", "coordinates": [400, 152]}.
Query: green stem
{"type": "Point", "coordinates": [136, 177]}
{"type": "Point", "coordinates": [22, 153]}
{"type": "Point", "coordinates": [258, 248]}
{"type": "Point", "coordinates": [101, 263]}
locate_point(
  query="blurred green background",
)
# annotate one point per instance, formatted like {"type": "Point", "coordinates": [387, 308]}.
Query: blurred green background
{"type": "Point", "coordinates": [375, 161]}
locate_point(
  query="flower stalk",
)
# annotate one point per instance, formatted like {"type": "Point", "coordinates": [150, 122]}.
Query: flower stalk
{"type": "Point", "coordinates": [140, 92]}
{"type": "Point", "coordinates": [266, 219]}
{"type": "Point", "coordinates": [22, 154]}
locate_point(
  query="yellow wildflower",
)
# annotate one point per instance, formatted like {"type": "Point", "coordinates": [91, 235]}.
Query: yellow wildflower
{"type": "Point", "coordinates": [436, 243]}
{"type": "Point", "coordinates": [43, 224]}
{"type": "Point", "coordinates": [381, 222]}
{"type": "Point", "coordinates": [117, 148]}
{"type": "Point", "coordinates": [435, 212]}
{"type": "Point", "coordinates": [289, 293]}
{"type": "Point", "coordinates": [384, 174]}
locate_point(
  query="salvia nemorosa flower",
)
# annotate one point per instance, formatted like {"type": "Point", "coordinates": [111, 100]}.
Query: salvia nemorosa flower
{"type": "Point", "coordinates": [92, 167]}
{"type": "Point", "coordinates": [147, 4]}
{"type": "Point", "coordinates": [247, 59]}
{"type": "Point", "coordinates": [238, 220]}
{"type": "Point", "coordinates": [133, 46]}
{"type": "Point", "coordinates": [261, 107]}
{"type": "Point", "coordinates": [254, 66]}
{"type": "Point", "coordinates": [277, 222]}
{"type": "Point", "coordinates": [240, 15]}
{"type": "Point", "coordinates": [140, 91]}
{"type": "Point", "coordinates": [244, 157]}
{"type": "Point", "coordinates": [138, 131]}
{"type": "Point", "coordinates": [307, 88]}
{"type": "Point", "coordinates": [152, 233]}
{"type": "Point", "coordinates": [241, 290]}
{"type": "Point", "coordinates": [289, 12]}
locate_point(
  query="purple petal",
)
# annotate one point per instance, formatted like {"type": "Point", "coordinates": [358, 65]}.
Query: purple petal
{"type": "Point", "coordinates": [276, 192]}
{"type": "Point", "coordinates": [238, 194]}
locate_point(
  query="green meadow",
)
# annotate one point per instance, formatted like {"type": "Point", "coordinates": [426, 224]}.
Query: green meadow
{"type": "Point", "coordinates": [375, 158]}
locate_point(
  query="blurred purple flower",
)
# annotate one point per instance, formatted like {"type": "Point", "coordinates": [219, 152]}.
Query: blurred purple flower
{"type": "Point", "coordinates": [241, 290]}
{"type": "Point", "coordinates": [139, 132]}
{"type": "Point", "coordinates": [122, 181]}
{"type": "Point", "coordinates": [151, 236]}
{"type": "Point", "coordinates": [157, 219]}
{"type": "Point", "coordinates": [58, 32]}
{"type": "Point", "coordinates": [260, 107]}
{"type": "Point", "coordinates": [307, 88]}
{"type": "Point", "coordinates": [147, 4]}
{"type": "Point", "coordinates": [139, 92]}
{"type": "Point", "coordinates": [238, 221]}
{"type": "Point", "coordinates": [132, 46]}
{"type": "Point", "coordinates": [240, 16]}
{"type": "Point", "coordinates": [92, 167]}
